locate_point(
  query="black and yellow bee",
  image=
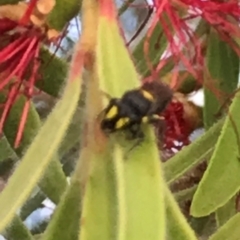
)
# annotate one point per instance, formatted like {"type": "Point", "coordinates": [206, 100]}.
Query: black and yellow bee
{"type": "Point", "coordinates": [136, 107]}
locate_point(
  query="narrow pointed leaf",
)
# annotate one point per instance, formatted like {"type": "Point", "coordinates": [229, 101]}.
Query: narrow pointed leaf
{"type": "Point", "coordinates": [5, 149]}
{"type": "Point", "coordinates": [203, 226]}
{"type": "Point", "coordinates": [99, 205]}
{"type": "Point", "coordinates": [68, 211]}
{"type": "Point", "coordinates": [53, 182]}
{"type": "Point", "coordinates": [185, 194]}
{"type": "Point", "coordinates": [115, 68]}
{"type": "Point", "coordinates": [69, 208]}
{"type": "Point", "coordinates": [224, 213]}
{"type": "Point", "coordinates": [177, 226]}
{"type": "Point", "coordinates": [144, 191]}
{"type": "Point", "coordinates": [191, 155]}
{"type": "Point", "coordinates": [223, 170]}
{"type": "Point", "coordinates": [143, 217]}
{"type": "Point", "coordinates": [52, 81]}
{"type": "Point", "coordinates": [31, 127]}
{"type": "Point", "coordinates": [39, 154]}
{"type": "Point", "coordinates": [32, 204]}
{"type": "Point", "coordinates": [62, 13]}
{"type": "Point", "coordinates": [17, 230]}
{"type": "Point", "coordinates": [73, 134]}
{"type": "Point", "coordinates": [223, 65]}
{"type": "Point", "coordinates": [230, 230]}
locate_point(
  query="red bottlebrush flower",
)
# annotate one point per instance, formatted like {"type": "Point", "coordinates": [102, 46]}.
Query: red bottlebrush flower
{"type": "Point", "coordinates": [176, 134]}
{"type": "Point", "coordinates": [20, 43]}
{"type": "Point", "coordinates": [185, 44]}
{"type": "Point", "coordinates": [182, 117]}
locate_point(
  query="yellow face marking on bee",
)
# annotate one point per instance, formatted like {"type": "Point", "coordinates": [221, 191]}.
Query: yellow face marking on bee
{"type": "Point", "coordinates": [121, 122]}
{"type": "Point", "coordinates": [145, 119]}
{"type": "Point", "coordinates": [112, 112]}
{"type": "Point", "coordinates": [147, 95]}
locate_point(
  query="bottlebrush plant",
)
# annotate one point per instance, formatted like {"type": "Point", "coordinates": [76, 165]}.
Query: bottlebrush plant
{"type": "Point", "coordinates": [167, 186]}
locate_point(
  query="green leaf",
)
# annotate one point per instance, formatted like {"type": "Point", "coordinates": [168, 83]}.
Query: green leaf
{"type": "Point", "coordinates": [53, 182]}
{"type": "Point", "coordinates": [32, 204]}
{"type": "Point", "coordinates": [139, 212]}
{"type": "Point", "coordinates": [203, 226]}
{"type": "Point", "coordinates": [191, 155]}
{"type": "Point", "coordinates": [6, 150]}
{"type": "Point", "coordinates": [31, 127]}
{"type": "Point", "coordinates": [185, 194]}
{"type": "Point", "coordinates": [144, 186]}
{"type": "Point", "coordinates": [98, 220]}
{"type": "Point", "coordinates": [177, 226]}
{"type": "Point", "coordinates": [75, 130]}
{"type": "Point", "coordinates": [224, 213]}
{"type": "Point", "coordinates": [62, 13]}
{"type": "Point", "coordinates": [17, 230]}
{"type": "Point", "coordinates": [230, 229]}
{"type": "Point", "coordinates": [114, 206]}
{"type": "Point", "coordinates": [68, 211]}
{"type": "Point", "coordinates": [39, 154]}
{"type": "Point", "coordinates": [69, 208]}
{"type": "Point", "coordinates": [113, 60]}
{"type": "Point", "coordinates": [223, 65]}
{"type": "Point", "coordinates": [52, 80]}
{"type": "Point", "coordinates": [223, 169]}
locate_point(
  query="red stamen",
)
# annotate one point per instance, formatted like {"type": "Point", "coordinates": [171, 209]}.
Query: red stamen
{"type": "Point", "coordinates": [13, 48]}
{"type": "Point", "coordinates": [22, 123]}
{"type": "Point", "coordinates": [19, 59]}
{"type": "Point", "coordinates": [222, 15]}
{"type": "Point", "coordinates": [177, 129]}
{"type": "Point", "coordinates": [149, 34]}
{"type": "Point", "coordinates": [22, 62]}
{"type": "Point", "coordinates": [29, 92]}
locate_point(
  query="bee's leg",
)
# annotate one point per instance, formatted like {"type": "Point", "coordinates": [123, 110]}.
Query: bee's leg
{"type": "Point", "coordinates": [159, 124]}
{"type": "Point", "coordinates": [154, 118]}
{"type": "Point", "coordinates": [135, 130]}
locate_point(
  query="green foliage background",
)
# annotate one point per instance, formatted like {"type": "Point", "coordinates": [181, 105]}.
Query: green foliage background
{"type": "Point", "coordinates": [109, 197]}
